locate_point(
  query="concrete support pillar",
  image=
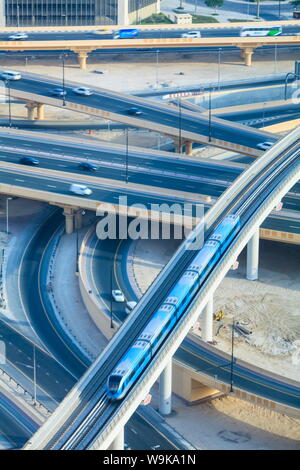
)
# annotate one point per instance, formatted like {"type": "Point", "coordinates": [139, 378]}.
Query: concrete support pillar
{"type": "Point", "coordinates": [189, 147]}
{"type": "Point", "coordinates": [246, 53]}
{"type": "Point", "coordinates": [123, 16]}
{"type": "Point", "coordinates": [118, 442]}
{"type": "Point", "coordinates": [78, 220]}
{"type": "Point", "coordinates": [206, 321]}
{"type": "Point", "coordinates": [158, 6]}
{"type": "Point", "coordinates": [165, 389]}
{"type": "Point", "coordinates": [69, 215]}
{"type": "Point", "coordinates": [82, 58]}
{"type": "Point", "coordinates": [40, 111]}
{"type": "Point", "coordinates": [30, 110]}
{"type": "Point", "coordinates": [253, 257]}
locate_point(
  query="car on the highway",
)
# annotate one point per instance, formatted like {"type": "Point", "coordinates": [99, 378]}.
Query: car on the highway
{"type": "Point", "coordinates": [58, 92]}
{"type": "Point", "coordinates": [118, 295]}
{"type": "Point", "coordinates": [80, 189]}
{"type": "Point", "coordinates": [29, 161]}
{"type": "Point", "coordinates": [134, 111]}
{"type": "Point", "coordinates": [18, 36]}
{"type": "Point", "coordinates": [191, 34]}
{"type": "Point", "coordinates": [82, 90]}
{"type": "Point", "coordinates": [87, 166]}
{"type": "Point", "coordinates": [10, 75]}
{"type": "Point", "coordinates": [265, 145]}
{"type": "Point", "coordinates": [102, 31]}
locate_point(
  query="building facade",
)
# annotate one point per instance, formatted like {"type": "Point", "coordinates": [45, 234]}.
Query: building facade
{"type": "Point", "coordinates": [18, 13]}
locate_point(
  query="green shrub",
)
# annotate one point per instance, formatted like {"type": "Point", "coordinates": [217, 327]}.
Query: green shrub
{"type": "Point", "coordinates": [156, 18]}
{"type": "Point", "coordinates": [204, 19]}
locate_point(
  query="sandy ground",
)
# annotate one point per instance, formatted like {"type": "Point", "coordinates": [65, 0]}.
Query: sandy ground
{"type": "Point", "coordinates": [270, 308]}
{"type": "Point", "coordinates": [228, 423]}
{"type": "Point", "coordinates": [141, 70]}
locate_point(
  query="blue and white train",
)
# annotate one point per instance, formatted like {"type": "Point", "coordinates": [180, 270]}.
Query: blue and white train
{"type": "Point", "coordinates": [163, 320]}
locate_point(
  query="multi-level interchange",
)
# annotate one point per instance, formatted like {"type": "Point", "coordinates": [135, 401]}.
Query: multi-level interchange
{"type": "Point", "coordinates": [111, 323]}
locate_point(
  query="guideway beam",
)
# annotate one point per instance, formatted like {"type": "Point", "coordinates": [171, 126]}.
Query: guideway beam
{"type": "Point", "coordinates": [118, 442]}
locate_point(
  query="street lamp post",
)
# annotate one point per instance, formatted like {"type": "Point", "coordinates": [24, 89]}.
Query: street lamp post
{"type": "Point", "coordinates": [63, 78]}
{"type": "Point", "coordinates": [7, 199]}
{"type": "Point", "coordinates": [18, 15]}
{"type": "Point", "coordinates": [219, 67]}
{"type": "Point", "coordinates": [263, 115]}
{"type": "Point", "coordinates": [279, 9]}
{"type": "Point", "coordinates": [111, 299]}
{"type": "Point", "coordinates": [257, 8]}
{"type": "Point", "coordinates": [179, 125]}
{"type": "Point", "coordinates": [275, 58]}
{"type": "Point", "coordinates": [126, 155]}
{"type": "Point", "coordinates": [232, 359]}
{"type": "Point", "coordinates": [156, 69]}
{"type": "Point", "coordinates": [34, 375]}
{"type": "Point", "coordinates": [209, 115]}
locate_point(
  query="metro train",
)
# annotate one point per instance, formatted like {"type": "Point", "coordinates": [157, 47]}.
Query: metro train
{"type": "Point", "coordinates": [134, 361]}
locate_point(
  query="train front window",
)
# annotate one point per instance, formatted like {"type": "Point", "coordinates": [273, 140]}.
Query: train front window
{"type": "Point", "coordinates": [114, 382]}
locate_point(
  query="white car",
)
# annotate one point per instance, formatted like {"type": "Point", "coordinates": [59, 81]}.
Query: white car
{"type": "Point", "coordinates": [265, 145]}
{"type": "Point", "coordinates": [82, 90]}
{"type": "Point", "coordinates": [191, 34]}
{"type": "Point", "coordinates": [118, 295]}
{"type": "Point", "coordinates": [18, 36]}
{"type": "Point", "coordinates": [10, 75]}
{"type": "Point", "coordinates": [80, 189]}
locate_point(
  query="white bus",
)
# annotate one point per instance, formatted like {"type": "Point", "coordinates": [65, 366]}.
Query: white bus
{"type": "Point", "coordinates": [260, 31]}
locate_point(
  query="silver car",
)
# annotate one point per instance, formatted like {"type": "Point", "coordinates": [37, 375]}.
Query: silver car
{"type": "Point", "coordinates": [10, 75]}
{"type": "Point", "coordinates": [18, 36]}
{"type": "Point", "coordinates": [82, 90]}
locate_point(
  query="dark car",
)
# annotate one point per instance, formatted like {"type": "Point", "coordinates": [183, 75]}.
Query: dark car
{"type": "Point", "coordinates": [134, 111]}
{"type": "Point", "coordinates": [58, 92]}
{"type": "Point", "coordinates": [29, 161]}
{"type": "Point", "coordinates": [88, 166]}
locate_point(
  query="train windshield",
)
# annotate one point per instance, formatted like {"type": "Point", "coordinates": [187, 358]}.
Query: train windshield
{"type": "Point", "coordinates": [114, 382]}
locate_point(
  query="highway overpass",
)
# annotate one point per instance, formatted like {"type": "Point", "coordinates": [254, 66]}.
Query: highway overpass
{"type": "Point", "coordinates": [184, 126]}
{"type": "Point", "coordinates": [81, 40]}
